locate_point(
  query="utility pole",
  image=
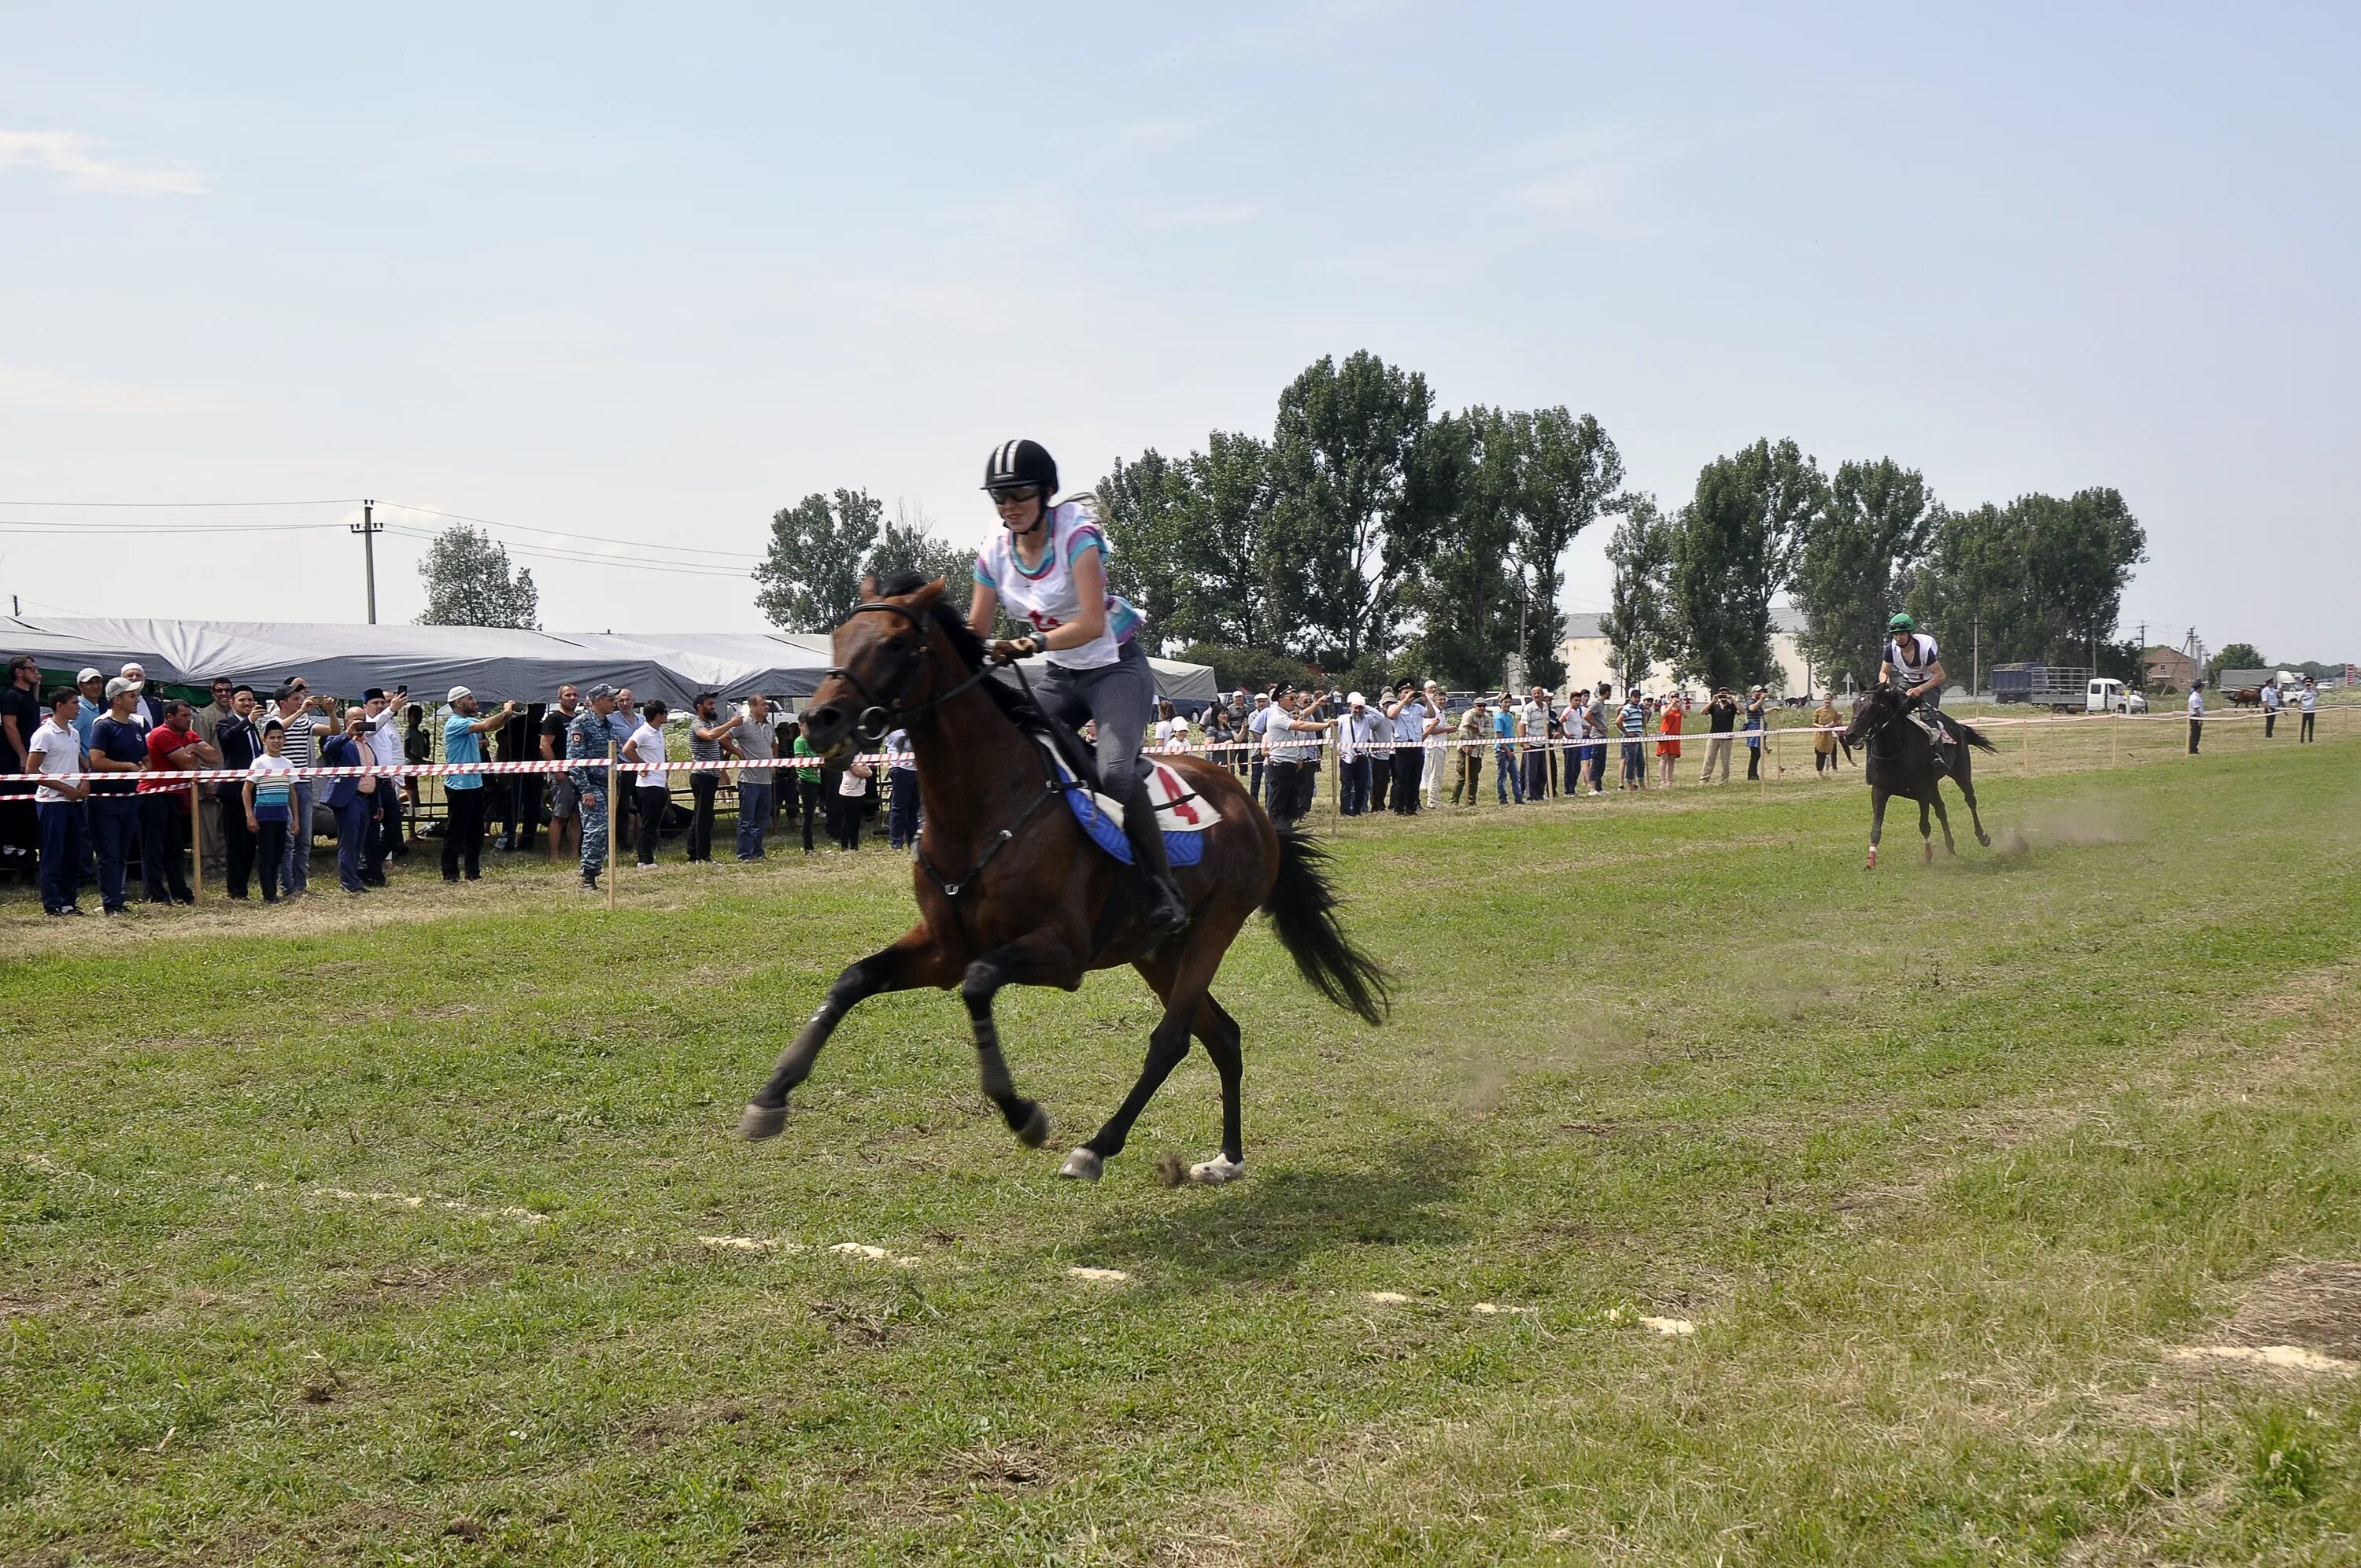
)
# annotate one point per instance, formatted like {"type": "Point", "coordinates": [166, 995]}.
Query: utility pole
{"type": "Point", "coordinates": [369, 529]}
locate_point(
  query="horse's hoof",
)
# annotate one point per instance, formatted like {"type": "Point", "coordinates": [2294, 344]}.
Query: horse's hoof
{"type": "Point", "coordinates": [762, 1122]}
{"type": "Point", "coordinates": [1219, 1171]}
{"type": "Point", "coordinates": [1984, 838]}
{"type": "Point", "coordinates": [1871, 865]}
{"type": "Point", "coordinates": [1036, 1130]}
{"type": "Point", "coordinates": [1082, 1165]}
{"type": "Point", "coordinates": [1927, 857]}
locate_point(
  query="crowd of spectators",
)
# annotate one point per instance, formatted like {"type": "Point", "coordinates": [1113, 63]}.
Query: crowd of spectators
{"type": "Point", "coordinates": [255, 822]}
{"type": "Point", "coordinates": [1395, 752]}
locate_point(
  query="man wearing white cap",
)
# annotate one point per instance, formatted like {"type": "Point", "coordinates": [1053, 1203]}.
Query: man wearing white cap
{"type": "Point", "coordinates": [1354, 738]}
{"type": "Point", "coordinates": [463, 793]}
{"type": "Point", "coordinates": [92, 688]}
{"type": "Point", "coordinates": [148, 706]}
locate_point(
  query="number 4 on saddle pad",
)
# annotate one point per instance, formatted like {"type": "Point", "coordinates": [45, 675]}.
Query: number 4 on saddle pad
{"type": "Point", "coordinates": [1180, 812]}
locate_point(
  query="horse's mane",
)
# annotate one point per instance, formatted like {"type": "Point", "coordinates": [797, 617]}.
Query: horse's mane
{"type": "Point", "coordinates": [972, 649]}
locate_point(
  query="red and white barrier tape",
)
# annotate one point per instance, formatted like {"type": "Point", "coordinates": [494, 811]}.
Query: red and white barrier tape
{"type": "Point", "coordinates": [1244, 748]}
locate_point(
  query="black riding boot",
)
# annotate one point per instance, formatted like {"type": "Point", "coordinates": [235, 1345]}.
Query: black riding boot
{"type": "Point", "coordinates": [1167, 910]}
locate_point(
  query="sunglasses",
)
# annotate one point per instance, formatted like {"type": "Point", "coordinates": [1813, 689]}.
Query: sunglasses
{"type": "Point", "coordinates": [1015, 495]}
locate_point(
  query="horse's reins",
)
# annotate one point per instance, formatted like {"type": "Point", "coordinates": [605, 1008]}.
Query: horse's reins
{"type": "Point", "coordinates": [876, 718]}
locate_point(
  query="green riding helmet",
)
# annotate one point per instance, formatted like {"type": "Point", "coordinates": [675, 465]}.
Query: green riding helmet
{"type": "Point", "coordinates": [1900, 623]}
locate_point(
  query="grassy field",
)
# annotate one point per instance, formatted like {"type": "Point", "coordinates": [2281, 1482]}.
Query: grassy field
{"type": "Point", "coordinates": [412, 1231]}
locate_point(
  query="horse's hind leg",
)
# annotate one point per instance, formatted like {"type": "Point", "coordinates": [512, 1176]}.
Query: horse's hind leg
{"type": "Point", "coordinates": [1943, 818]}
{"type": "Point", "coordinates": [1220, 1033]}
{"type": "Point", "coordinates": [1968, 793]}
{"type": "Point", "coordinates": [912, 961]}
{"type": "Point", "coordinates": [1183, 987]}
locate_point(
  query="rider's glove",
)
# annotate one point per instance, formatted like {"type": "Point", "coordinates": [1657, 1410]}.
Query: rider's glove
{"type": "Point", "coordinates": [1010, 649]}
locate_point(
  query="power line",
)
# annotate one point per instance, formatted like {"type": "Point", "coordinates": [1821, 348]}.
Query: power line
{"type": "Point", "coordinates": [595, 538]}
{"type": "Point", "coordinates": [20, 525]}
{"type": "Point", "coordinates": [637, 563]}
{"type": "Point", "coordinates": [341, 501]}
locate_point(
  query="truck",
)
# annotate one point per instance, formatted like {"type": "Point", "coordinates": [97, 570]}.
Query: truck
{"type": "Point", "coordinates": [2063, 687]}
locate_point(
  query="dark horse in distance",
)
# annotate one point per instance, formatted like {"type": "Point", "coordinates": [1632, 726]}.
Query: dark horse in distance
{"type": "Point", "coordinates": [1012, 892]}
{"type": "Point", "coordinates": [1901, 761]}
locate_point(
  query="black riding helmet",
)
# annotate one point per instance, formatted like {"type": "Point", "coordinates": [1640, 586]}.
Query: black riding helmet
{"type": "Point", "coordinates": [1016, 463]}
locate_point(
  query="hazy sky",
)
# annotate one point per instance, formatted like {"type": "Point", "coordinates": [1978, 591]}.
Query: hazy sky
{"type": "Point", "coordinates": [649, 273]}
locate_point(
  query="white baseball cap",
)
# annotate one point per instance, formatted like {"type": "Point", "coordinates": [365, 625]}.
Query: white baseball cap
{"type": "Point", "coordinates": [1356, 700]}
{"type": "Point", "coordinates": [89, 673]}
{"type": "Point", "coordinates": [456, 692]}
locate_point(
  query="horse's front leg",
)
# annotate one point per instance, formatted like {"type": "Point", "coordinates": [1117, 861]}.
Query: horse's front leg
{"type": "Point", "coordinates": [1039, 959]}
{"type": "Point", "coordinates": [1926, 830]}
{"type": "Point", "coordinates": [1876, 824]}
{"type": "Point", "coordinates": [915, 961]}
{"type": "Point", "coordinates": [1944, 818]}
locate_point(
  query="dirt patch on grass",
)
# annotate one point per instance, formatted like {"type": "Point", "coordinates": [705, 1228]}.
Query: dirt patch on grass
{"type": "Point", "coordinates": [414, 1286]}
{"type": "Point", "coordinates": [660, 1428]}
{"type": "Point", "coordinates": [2314, 1306]}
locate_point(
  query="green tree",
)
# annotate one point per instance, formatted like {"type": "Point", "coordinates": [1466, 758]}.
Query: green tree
{"type": "Point", "coordinates": [2236, 657]}
{"type": "Point", "coordinates": [1463, 592]}
{"type": "Point", "coordinates": [1639, 626]}
{"type": "Point", "coordinates": [1355, 504]}
{"type": "Point", "coordinates": [909, 543]}
{"type": "Point", "coordinates": [810, 576]}
{"type": "Point", "coordinates": [1189, 542]}
{"type": "Point", "coordinates": [1733, 550]}
{"type": "Point", "coordinates": [2083, 550]}
{"type": "Point", "coordinates": [1570, 471]}
{"type": "Point", "coordinates": [2038, 580]}
{"type": "Point", "coordinates": [469, 583]}
{"type": "Point", "coordinates": [1854, 561]}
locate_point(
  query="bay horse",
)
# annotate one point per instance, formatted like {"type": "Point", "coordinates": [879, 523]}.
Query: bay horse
{"type": "Point", "coordinates": [1901, 761]}
{"type": "Point", "coordinates": [1012, 892]}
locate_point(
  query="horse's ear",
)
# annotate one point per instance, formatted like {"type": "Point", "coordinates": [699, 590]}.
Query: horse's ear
{"type": "Point", "coordinates": [868, 587]}
{"type": "Point", "coordinates": [924, 599]}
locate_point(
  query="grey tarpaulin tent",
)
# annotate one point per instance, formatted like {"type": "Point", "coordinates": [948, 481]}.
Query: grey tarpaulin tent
{"type": "Point", "coordinates": [527, 665]}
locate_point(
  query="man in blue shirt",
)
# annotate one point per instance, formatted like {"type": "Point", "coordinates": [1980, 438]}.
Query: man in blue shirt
{"type": "Point", "coordinates": [1258, 727]}
{"type": "Point", "coordinates": [355, 808]}
{"type": "Point", "coordinates": [118, 744]}
{"type": "Point", "coordinates": [463, 793]}
{"type": "Point", "coordinates": [1507, 776]}
{"type": "Point", "coordinates": [1408, 713]}
{"type": "Point", "coordinates": [1631, 722]}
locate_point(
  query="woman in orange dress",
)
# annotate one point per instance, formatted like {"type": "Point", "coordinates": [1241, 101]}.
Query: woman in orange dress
{"type": "Point", "coordinates": [1668, 749]}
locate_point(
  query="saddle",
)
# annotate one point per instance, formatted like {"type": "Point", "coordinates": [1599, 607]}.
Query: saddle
{"type": "Point", "coordinates": [1181, 813]}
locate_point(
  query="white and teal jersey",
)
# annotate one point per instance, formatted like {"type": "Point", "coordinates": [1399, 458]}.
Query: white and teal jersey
{"type": "Point", "coordinates": [1046, 596]}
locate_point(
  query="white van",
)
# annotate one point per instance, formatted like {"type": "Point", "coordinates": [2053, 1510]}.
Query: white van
{"type": "Point", "coordinates": [2109, 696]}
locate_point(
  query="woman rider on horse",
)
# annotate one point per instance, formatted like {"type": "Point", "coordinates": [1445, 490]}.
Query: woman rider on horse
{"type": "Point", "coordinates": [1049, 566]}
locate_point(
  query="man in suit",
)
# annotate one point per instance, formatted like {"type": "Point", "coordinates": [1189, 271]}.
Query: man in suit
{"type": "Point", "coordinates": [354, 808]}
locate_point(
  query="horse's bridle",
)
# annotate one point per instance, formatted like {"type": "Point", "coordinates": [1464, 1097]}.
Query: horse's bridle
{"type": "Point", "coordinates": [880, 713]}
{"type": "Point", "coordinates": [875, 719]}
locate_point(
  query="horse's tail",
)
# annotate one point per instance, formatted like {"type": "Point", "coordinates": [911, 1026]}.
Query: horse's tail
{"type": "Point", "coordinates": [1974, 737]}
{"type": "Point", "coordinates": [1303, 910]}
